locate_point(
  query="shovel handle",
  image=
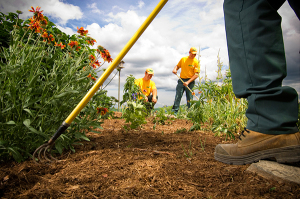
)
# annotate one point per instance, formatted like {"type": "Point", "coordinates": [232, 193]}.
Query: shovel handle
{"type": "Point", "coordinates": [186, 86]}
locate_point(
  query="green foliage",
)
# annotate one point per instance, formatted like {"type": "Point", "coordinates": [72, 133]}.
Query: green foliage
{"type": "Point", "coordinates": [182, 130]}
{"type": "Point", "coordinates": [161, 117]}
{"type": "Point", "coordinates": [40, 85]}
{"type": "Point", "coordinates": [135, 111]}
{"type": "Point", "coordinates": [131, 90]}
{"type": "Point", "coordinates": [218, 106]}
{"type": "Point", "coordinates": [135, 114]}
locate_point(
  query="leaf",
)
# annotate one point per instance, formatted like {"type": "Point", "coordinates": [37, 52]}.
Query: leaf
{"type": "Point", "coordinates": [28, 111]}
{"type": "Point", "coordinates": [17, 156]}
{"type": "Point", "coordinates": [59, 147]}
{"type": "Point", "coordinates": [66, 93]}
{"type": "Point", "coordinates": [10, 122]}
{"type": "Point", "coordinates": [81, 136]}
{"type": "Point", "coordinates": [27, 122]}
{"type": "Point", "coordinates": [33, 80]}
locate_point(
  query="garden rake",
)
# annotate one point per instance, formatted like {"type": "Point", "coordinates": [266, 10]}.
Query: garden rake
{"type": "Point", "coordinates": [45, 148]}
{"type": "Point", "coordinates": [188, 87]}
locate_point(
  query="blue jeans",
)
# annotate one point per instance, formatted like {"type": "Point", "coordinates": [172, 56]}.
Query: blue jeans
{"type": "Point", "coordinates": [179, 92]}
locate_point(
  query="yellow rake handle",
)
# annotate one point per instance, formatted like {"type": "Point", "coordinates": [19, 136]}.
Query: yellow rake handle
{"type": "Point", "coordinates": [108, 71]}
{"type": "Point", "coordinates": [187, 86]}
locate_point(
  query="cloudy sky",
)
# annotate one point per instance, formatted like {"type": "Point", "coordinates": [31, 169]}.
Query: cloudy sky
{"type": "Point", "coordinates": [179, 26]}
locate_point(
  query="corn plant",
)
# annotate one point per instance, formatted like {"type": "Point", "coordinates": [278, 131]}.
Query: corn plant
{"type": "Point", "coordinates": [218, 106]}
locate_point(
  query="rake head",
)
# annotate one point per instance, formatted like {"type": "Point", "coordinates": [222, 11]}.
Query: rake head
{"type": "Point", "coordinates": [44, 153]}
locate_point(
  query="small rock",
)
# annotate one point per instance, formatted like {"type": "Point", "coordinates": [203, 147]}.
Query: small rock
{"type": "Point", "coordinates": [275, 171]}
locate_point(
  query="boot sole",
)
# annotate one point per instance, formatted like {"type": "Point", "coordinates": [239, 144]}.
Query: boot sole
{"type": "Point", "coordinates": [281, 155]}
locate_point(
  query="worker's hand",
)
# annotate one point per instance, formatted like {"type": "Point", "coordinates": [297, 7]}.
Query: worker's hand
{"type": "Point", "coordinates": [185, 83]}
{"type": "Point", "coordinates": [154, 99]}
{"type": "Point", "coordinates": [174, 71]}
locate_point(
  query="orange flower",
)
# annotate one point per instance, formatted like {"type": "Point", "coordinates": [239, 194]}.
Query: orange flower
{"type": "Point", "coordinates": [199, 92]}
{"type": "Point", "coordinates": [93, 78]}
{"type": "Point", "coordinates": [102, 110]}
{"type": "Point", "coordinates": [193, 93]}
{"type": "Point", "coordinates": [82, 32]}
{"type": "Point", "coordinates": [38, 16]}
{"type": "Point", "coordinates": [73, 43]}
{"type": "Point", "coordinates": [60, 45]}
{"type": "Point", "coordinates": [34, 25]}
{"type": "Point", "coordinates": [106, 56]}
{"type": "Point", "coordinates": [92, 58]}
{"type": "Point", "coordinates": [77, 48]}
{"type": "Point", "coordinates": [91, 41]}
{"type": "Point", "coordinates": [47, 37]}
{"type": "Point", "coordinates": [97, 63]}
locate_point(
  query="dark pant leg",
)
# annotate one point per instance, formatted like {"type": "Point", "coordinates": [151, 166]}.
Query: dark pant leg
{"type": "Point", "coordinates": [258, 66]}
{"type": "Point", "coordinates": [189, 95]}
{"type": "Point", "coordinates": [150, 104]}
{"type": "Point", "coordinates": [178, 96]}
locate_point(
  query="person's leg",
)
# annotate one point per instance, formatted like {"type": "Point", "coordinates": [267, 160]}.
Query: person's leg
{"type": "Point", "coordinates": [257, 63]}
{"type": "Point", "coordinates": [178, 96]}
{"type": "Point", "coordinates": [189, 95]}
{"type": "Point", "coordinates": [258, 66]}
{"type": "Point", "coordinates": [151, 104]}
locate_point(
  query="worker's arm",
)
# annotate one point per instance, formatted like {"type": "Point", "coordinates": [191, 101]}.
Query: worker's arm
{"type": "Point", "coordinates": [191, 80]}
{"type": "Point", "coordinates": [176, 68]}
{"type": "Point", "coordinates": [154, 93]}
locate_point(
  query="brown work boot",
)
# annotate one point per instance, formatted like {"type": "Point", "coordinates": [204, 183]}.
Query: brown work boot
{"type": "Point", "coordinates": [254, 146]}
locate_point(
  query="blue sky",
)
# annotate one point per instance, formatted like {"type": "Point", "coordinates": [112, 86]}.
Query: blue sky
{"type": "Point", "coordinates": [179, 26]}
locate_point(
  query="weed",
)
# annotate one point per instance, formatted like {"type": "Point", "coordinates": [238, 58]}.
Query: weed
{"type": "Point", "coordinates": [180, 130]}
{"type": "Point", "coordinates": [202, 144]}
{"type": "Point", "coordinates": [189, 153]}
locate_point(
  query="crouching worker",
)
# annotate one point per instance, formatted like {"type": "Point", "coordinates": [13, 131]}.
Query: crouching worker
{"type": "Point", "coordinates": [148, 88]}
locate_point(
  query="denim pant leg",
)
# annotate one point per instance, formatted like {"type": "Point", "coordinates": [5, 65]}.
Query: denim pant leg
{"type": "Point", "coordinates": [258, 65]}
{"type": "Point", "coordinates": [178, 96]}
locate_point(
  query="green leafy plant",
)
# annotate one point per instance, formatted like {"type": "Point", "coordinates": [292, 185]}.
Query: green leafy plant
{"type": "Point", "coordinates": [161, 117]}
{"type": "Point", "coordinates": [135, 114]}
{"type": "Point", "coordinates": [42, 80]}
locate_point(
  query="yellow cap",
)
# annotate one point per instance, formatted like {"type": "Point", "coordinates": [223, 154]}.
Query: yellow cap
{"type": "Point", "coordinates": [193, 50]}
{"type": "Point", "coordinates": [150, 71]}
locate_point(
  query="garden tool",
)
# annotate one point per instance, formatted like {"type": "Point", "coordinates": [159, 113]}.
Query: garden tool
{"type": "Point", "coordinates": [193, 93]}
{"type": "Point", "coordinates": [43, 149]}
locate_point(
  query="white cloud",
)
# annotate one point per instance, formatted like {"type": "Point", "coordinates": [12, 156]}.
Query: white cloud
{"type": "Point", "coordinates": [141, 4]}
{"type": "Point", "coordinates": [179, 26]}
{"type": "Point", "coordinates": [94, 8]}
{"type": "Point", "coordinates": [54, 8]}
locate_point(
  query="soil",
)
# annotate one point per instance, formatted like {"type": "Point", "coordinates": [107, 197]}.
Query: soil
{"type": "Point", "coordinates": [165, 161]}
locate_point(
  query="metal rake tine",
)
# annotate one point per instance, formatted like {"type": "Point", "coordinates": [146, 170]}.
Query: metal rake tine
{"type": "Point", "coordinates": [39, 149]}
{"type": "Point", "coordinates": [49, 147]}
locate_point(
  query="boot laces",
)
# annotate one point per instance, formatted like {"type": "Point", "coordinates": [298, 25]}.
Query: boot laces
{"type": "Point", "coordinates": [242, 134]}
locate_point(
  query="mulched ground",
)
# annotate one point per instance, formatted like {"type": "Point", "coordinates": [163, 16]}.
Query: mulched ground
{"type": "Point", "coordinates": [165, 161]}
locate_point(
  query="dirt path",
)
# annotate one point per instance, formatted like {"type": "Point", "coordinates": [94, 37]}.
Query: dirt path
{"type": "Point", "coordinates": [147, 163]}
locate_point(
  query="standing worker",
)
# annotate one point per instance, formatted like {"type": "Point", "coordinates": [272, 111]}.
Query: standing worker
{"type": "Point", "coordinates": [189, 72]}
{"type": "Point", "coordinates": [258, 66]}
